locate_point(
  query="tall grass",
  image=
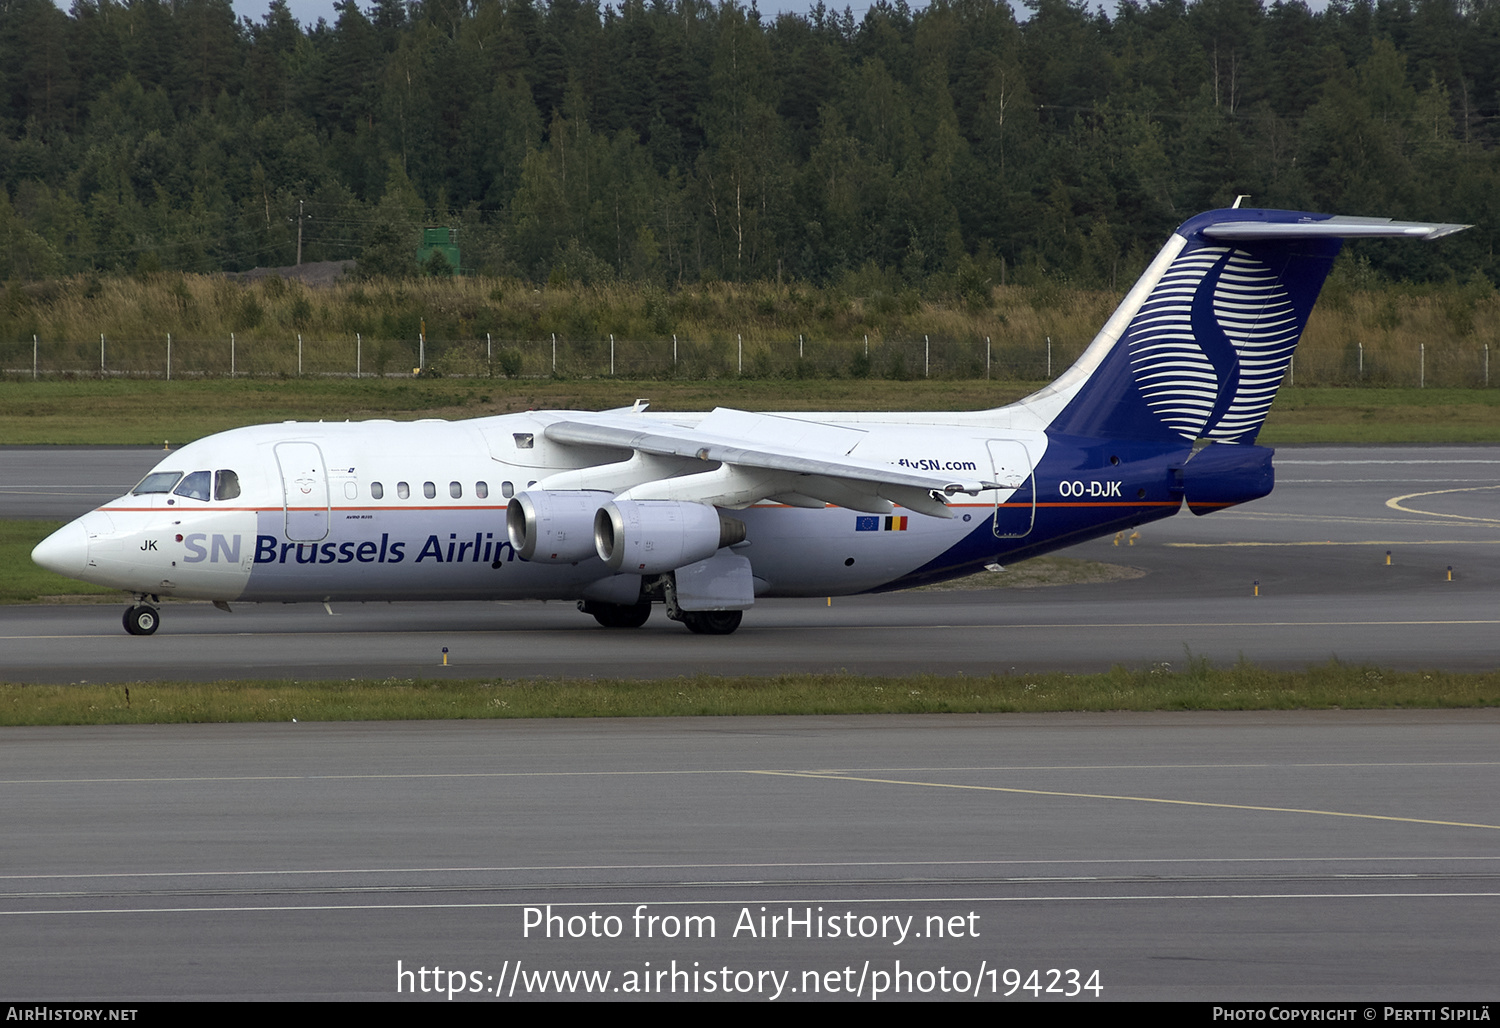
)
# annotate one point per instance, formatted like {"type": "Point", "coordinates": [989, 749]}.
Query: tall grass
{"type": "Point", "coordinates": [1361, 334]}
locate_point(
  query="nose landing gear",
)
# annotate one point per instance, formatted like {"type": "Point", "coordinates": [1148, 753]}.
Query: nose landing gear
{"type": "Point", "coordinates": [142, 618]}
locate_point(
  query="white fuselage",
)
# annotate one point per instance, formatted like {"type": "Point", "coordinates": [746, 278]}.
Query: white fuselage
{"type": "Point", "coordinates": [385, 510]}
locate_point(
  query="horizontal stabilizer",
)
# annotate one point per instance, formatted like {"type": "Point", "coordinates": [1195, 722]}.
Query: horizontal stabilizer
{"type": "Point", "coordinates": [1337, 227]}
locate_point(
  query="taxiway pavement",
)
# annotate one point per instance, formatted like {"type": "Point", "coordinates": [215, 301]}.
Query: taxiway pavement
{"type": "Point", "coordinates": [1300, 577]}
{"type": "Point", "coordinates": [1247, 856]}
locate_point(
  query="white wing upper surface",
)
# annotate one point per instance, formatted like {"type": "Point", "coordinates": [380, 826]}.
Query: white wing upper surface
{"type": "Point", "coordinates": [753, 457]}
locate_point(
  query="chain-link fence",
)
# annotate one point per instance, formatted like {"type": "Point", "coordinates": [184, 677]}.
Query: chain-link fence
{"type": "Point", "coordinates": [1452, 364]}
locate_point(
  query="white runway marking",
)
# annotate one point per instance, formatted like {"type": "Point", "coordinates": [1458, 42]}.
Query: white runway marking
{"type": "Point", "coordinates": [753, 866]}
{"type": "Point", "coordinates": [761, 900]}
{"type": "Point", "coordinates": [1008, 768]}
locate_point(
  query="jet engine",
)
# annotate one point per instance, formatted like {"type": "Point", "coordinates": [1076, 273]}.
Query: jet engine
{"type": "Point", "coordinates": [650, 537]}
{"type": "Point", "coordinates": [553, 527]}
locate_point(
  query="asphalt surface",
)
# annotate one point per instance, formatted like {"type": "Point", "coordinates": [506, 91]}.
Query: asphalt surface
{"type": "Point", "coordinates": [1335, 855]}
{"type": "Point", "coordinates": [1298, 578]}
{"type": "Point", "coordinates": [1219, 857]}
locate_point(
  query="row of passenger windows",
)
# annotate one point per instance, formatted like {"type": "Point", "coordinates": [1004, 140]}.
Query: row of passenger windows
{"type": "Point", "coordinates": [429, 490]}
{"type": "Point", "coordinates": [225, 485]}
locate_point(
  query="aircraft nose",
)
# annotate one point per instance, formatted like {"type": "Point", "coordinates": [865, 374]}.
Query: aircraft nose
{"type": "Point", "coordinates": [65, 551]}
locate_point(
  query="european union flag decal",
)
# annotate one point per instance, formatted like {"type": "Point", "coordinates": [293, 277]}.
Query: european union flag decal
{"type": "Point", "coordinates": [867, 524]}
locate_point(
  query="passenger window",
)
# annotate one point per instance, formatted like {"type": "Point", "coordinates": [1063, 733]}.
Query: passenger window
{"type": "Point", "coordinates": [403, 490]}
{"type": "Point", "coordinates": [377, 491]}
{"type": "Point", "coordinates": [351, 490]}
{"type": "Point", "coordinates": [507, 490]}
{"type": "Point", "coordinates": [226, 485]}
{"type": "Point", "coordinates": [194, 486]}
{"type": "Point", "coordinates": [482, 490]}
{"type": "Point", "coordinates": [429, 490]}
{"type": "Point", "coordinates": [455, 490]}
{"type": "Point", "coordinates": [157, 482]}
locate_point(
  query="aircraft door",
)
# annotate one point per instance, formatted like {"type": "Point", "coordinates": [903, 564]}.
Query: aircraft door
{"type": "Point", "coordinates": [1013, 471]}
{"type": "Point", "coordinates": [304, 490]}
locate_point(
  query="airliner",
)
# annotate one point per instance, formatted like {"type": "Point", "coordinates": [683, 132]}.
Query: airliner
{"type": "Point", "coordinates": [703, 513]}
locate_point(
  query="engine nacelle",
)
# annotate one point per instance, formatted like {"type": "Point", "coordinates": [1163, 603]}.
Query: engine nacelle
{"type": "Point", "coordinates": [649, 537]}
{"type": "Point", "coordinates": [553, 527]}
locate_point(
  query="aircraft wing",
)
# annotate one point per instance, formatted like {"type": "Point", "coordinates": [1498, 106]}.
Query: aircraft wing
{"type": "Point", "coordinates": [764, 456]}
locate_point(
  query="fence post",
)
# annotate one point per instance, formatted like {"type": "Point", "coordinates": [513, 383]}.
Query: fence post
{"type": "Point", "coordinates": [799, 346]}
{"type": "Point", "coordinates": [1421, 365]}
{"type": "Point", "coordinates": [674, 349]}
{"type": "Point", "coordinates": [554, 354]}
{"type": "Point", "coordinates": [169, 356]}
{"type": "Point", "coordinates": [1049, 357]}
{"type": "Point", "coordinates": [741, 340]}
{"type": "Point", "coordinates": [1486, 365]}
{"type": "Point", "coordinates": [926, 357]}
{"type": "Point", "coordinates": [1291, 367]}
{"type": "Point", "coordinates": [489, 356]}
{"type": "Point", "coordinates": [101, 354]}
{"type": "Point", "coordinates": [359, 355]}
{"type": "Point", "coordinates": [986, 358]}
{"type": "Point", "coordinates": [33, 355]}
{"type": "Point", "coordinates": [611, 355]}
{"type": "Point", "coordinates": [231, 355]}
{"type": "Point", "coordinates": [1361, 359]}
{"type": "Point", "coordinates": [299, 354]}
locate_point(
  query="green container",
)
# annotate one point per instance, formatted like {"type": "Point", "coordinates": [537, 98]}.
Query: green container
{"type": "Point", "coordinates": [441, 240]}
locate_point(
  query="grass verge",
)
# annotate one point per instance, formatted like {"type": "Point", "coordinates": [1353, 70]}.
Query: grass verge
{"type": "Point", "coordinates": [1195, 686]}
{"type": "Point", "coordinates": [142, 412]}
{"type": "Point", "coordinates": [136, 412]}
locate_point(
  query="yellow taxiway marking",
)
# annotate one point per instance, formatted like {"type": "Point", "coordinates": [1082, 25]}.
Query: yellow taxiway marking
{"type": "Point", "coordinates": [1357, 542]}
{"type": "Point", "coordinates": [1131, 799]}
{"type": "Point", "coordinates": [1395, 504]}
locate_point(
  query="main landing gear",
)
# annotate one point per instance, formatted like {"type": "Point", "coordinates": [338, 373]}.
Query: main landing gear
{"type": "Point", "coordinates": [618, 615]}
{"type": "Point", "coordinates": [711, 622]}
{"type": "Point", "coordinates": [142, 618]}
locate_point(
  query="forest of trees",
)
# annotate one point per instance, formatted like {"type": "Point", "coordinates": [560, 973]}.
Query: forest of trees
{"type": "Point", "coordinates": [676, 142]}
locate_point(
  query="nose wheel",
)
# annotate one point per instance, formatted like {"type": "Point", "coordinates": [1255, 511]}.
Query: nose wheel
{"type": "Point", "coordinates": [142, 619]}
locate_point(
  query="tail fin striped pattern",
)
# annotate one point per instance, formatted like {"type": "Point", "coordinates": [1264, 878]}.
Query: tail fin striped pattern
{"type": "Point", "coordinates": [1211, 344]}
{"type": "Point", "coordinates": [1206, 347]}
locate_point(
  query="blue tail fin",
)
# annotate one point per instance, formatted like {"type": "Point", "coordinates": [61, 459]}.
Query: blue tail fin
{"type": "Point", "coordinates": [1198, 348]}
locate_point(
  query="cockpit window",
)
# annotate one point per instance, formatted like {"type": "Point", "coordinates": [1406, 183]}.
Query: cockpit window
{"type": "Point", "coordinates": [157, 482]}
{"type": "Point", "coordinates": [226, 485]}
{"type": "Point", "coordinates": [194, 486]}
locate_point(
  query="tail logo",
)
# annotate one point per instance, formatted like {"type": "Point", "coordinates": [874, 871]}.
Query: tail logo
{"type": "Point", "coordinates": [1210, 345]}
